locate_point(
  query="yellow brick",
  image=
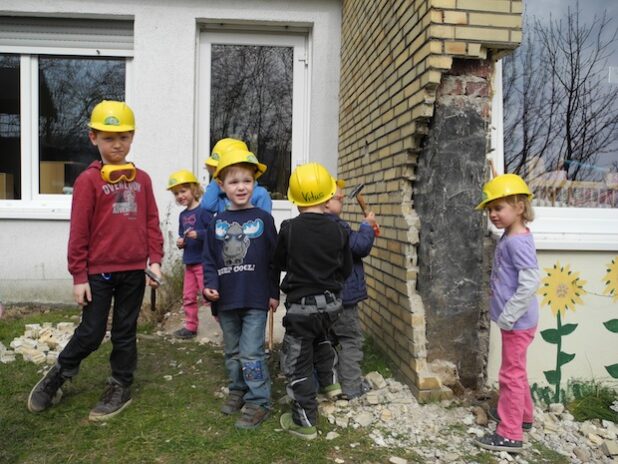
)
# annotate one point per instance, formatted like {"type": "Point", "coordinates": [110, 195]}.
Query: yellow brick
{"type": "Point", "coordinates": [503, 6]}
{"type": "Point", "coordinates": [443, 3]}
{"type": "Point", "coordinates": [455, 48]}
{"type": "Point", "coordinates": [474, 49]}
{"type": "Point", "coordinates": [455, 17]}
{"type": "Point", "coordinates": [495, 20]}
{"type": "Point", "coordinates": [481, 34]}
{"type": "Point", "coordinates": [442, 32]}
{"type": "Point", "coordinates": [516, 36]}
{"type": "Point", "coordinates": [435, 16]}
{"type": "Point", "coordinates": [435, 46]}
{"type": "Point", "coordinates": [440, 62]}
{"type": "Point", "coordinates": [428, 383]}
{"type": "Point", "coordinates": [516, 7]}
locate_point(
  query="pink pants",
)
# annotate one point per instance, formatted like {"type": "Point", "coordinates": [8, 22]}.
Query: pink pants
{"type": "Point", "coordinates": [515, 402]}
{"type": "Point", "coordinates": [191, 289]}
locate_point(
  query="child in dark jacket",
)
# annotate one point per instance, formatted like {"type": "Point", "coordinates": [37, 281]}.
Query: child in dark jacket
{"type": "Point", "coordinates": [347, 329]}
{"type": "Point", "coordinates": [315, 253]}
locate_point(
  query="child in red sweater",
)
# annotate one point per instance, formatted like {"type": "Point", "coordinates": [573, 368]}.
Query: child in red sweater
{"type": "Point", "coordinates": [114, 235]}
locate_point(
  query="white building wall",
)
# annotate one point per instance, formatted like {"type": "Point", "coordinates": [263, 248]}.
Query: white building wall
{"type": "Point", "coordinates": [593, 345]}
{"type": "Point", "coordinates": [163, 95]}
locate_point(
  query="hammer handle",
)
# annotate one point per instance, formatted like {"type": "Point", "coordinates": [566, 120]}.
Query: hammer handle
{"type": "Point", "coordinates": [361, 202]}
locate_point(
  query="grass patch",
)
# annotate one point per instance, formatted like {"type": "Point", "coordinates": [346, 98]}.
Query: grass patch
{"type": "Point", "coordinates": [592, 400]}
{"type": "Point", "coordinates": [374, 359]}
{"type": "Point", "coordinates": [175, 421]}
{"type": "Point", "coordinates": [548, 456]}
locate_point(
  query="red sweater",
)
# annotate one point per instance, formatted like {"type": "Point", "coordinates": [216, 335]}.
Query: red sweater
{"type": "Point", "coordinates": [114, 227]}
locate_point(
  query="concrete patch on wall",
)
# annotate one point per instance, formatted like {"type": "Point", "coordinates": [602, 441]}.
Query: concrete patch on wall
{"type": "Point", "coordinates": [452, 263]}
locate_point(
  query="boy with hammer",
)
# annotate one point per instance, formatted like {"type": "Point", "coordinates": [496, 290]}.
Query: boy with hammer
{"type": "Point", "coordinates": [347, 329]}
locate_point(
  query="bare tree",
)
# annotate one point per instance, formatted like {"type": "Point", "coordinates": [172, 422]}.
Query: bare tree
{"type": "Point", "coordinates": [559, 107]}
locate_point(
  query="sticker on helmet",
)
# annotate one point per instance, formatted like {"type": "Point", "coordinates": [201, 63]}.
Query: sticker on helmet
{"type": "Point", "coordinates": [111, 121]}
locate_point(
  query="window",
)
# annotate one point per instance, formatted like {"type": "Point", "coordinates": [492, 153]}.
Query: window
{"type": "Point", "coordinates": [251, 99]}
{"type": "Point", "coordinates": [559, 128]}
{"type": "Point", "coordinates": [49, 86]}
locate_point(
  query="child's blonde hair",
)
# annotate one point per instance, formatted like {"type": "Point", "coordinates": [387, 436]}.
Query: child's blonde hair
{"type": "Point", "coordinates": [196, 189]}
{"type": "Point", "coordinates": [528, 212]}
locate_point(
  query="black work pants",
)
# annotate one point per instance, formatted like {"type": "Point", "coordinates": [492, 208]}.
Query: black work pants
{"type": "Point", "coordinates": [307, 348]}
{"type": "Point", "coordinates": [127, 290]}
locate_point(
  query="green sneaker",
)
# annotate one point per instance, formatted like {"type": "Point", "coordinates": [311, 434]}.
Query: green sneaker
{"type": "Point", "coordinates": [304, 432]}
{"type": "Point", "coordinates": [331, 391]}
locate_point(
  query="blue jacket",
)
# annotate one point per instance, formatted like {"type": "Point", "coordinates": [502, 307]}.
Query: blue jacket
{"type": "Point", "coordinates": [215, 201]}
{"type": "Point", "coordinates": [361, 242]}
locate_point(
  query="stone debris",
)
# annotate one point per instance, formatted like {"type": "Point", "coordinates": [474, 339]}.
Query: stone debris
{"type": "Point", "coordinates": [444, 432]}
{"type": "Point", "coordinates": [397, 460]}
{"type": "Point", "coordinates": [331, 435]}
{"type": "Point", "coordinates": [40, 343]}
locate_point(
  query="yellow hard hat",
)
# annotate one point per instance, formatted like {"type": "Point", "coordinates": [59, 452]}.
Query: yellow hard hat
{"type": "Point", "coordinates": [112, 116]}
{"type": "Point", "coordinates": [311, 184]}
{"type": "Point", "coordinates": [181, 177]}
{"type": "Point", "coordinates": [503, 186]}
{"type": "Point", "coordinates": [221, 147]}
{"type": "Point", "coordinates": [237, 156]}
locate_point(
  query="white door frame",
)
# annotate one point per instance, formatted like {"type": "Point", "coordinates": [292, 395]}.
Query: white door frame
{"type": "Point", "coordinates": [282, 209]}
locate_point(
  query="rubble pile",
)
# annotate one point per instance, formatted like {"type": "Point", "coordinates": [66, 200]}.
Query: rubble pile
{"type": "Point", "coordinates": [40, 343]}
{"type": "Point", "coordinates": [444, 432]}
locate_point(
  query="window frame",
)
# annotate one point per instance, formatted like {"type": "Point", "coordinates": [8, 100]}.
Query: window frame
{"type": "Point", "coordinates": [32, 204]}
{"type": "Point", "coordinates": [594, 229]}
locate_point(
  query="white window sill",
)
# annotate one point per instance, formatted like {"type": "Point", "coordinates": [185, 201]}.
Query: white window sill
{"type": "Point", "coordinates": [51, 210]}
{"type": "Point", "coordinates": [580, 229]}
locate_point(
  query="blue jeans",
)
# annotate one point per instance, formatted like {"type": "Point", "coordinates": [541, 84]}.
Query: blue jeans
{"type": "Point", "coordinates": [243, 344]}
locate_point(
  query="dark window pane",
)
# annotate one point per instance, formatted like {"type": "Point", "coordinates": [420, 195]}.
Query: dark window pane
{"type": "Point", "coordinates": [251, 99]}
{"type": "Point", "coordinates": [10, 128]}
{"type": "Point", "coordinates": [69, 87]}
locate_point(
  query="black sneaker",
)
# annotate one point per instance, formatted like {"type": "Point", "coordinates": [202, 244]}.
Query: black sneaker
{"type": "Point", "coordinates": [185, 334]}
{"type": "Point", "coordinates": [114, 399]}
{"type": "Point", "coordinates": [493, 415]}
{"type": "Point", "coordinates": [495, 442]}
{"type": "Point", "coordinates": [47, 391]}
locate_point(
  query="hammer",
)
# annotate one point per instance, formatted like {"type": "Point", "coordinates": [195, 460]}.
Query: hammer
{"type": "Point", "coordinates": [356, 193]}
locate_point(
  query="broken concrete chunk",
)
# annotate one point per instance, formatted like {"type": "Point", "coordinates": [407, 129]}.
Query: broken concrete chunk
{"type": "Point", "coordinates": [376, 380]}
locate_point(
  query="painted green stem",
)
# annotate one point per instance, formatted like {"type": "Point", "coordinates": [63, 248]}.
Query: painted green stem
{"type": "Point", "coordinates": [558, 366]}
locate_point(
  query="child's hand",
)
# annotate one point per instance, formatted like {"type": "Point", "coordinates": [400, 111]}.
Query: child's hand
{"type": "Point", "coordinates": [371, 218]}
{"type": "Point", "coordinates": [180, 243]}
{"type": "Point", "coordinates": [156, 269]}
{"type": "Point", "coordinates": [273, 304]}
{"type": "Point", "coordinates": [191, 234]}
{"type": "Point", "coordinates": [210, 294]}
{"type": "Point", "coordinates": [82, 294]}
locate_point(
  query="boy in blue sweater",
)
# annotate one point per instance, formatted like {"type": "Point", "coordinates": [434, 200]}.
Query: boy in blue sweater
{"type": "Point", "coordinates": [240, 283]}
{"type": "Point", "coordinates": [214, 199]}
{"type": "Point", "coordinates": [347, 329]}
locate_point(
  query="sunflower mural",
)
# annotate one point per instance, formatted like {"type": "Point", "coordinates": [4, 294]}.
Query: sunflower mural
{"type": "Point", "coordinates": [561, 290]}
{"type": "Point", "coordinates": [611, 288]}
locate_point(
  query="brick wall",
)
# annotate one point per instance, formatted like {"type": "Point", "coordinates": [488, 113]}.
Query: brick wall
{"type": "Point", "coordinates": [393, 57]}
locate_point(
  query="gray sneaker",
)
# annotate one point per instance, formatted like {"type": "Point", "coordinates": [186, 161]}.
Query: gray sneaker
{"type": "Point", "coordinates": [47, 391]}
{"type": "Point", "coordinates": [114, 399]}
{"type": "Point", "coordinates": [252, 415]}
{"type": "Point", "coordinates": [234, 402]}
